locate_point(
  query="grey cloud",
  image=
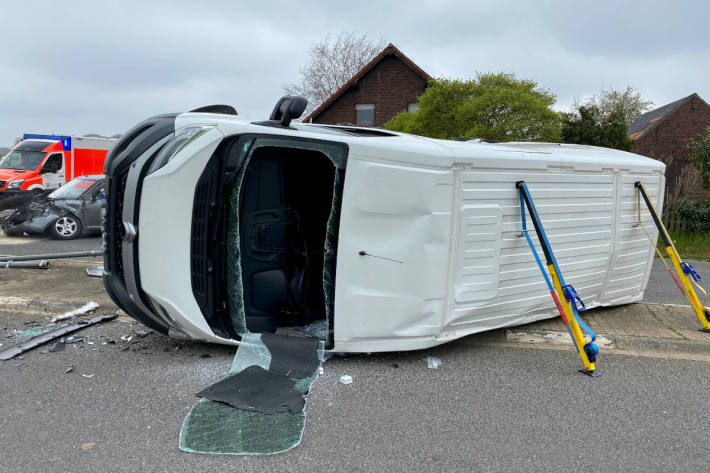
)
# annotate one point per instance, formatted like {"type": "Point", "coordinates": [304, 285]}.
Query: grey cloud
{"type": "Point", "coordinates": [80, 67]}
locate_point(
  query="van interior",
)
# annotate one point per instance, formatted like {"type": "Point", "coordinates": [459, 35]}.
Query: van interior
{"type": "Point", "coordinates": [285, 204]}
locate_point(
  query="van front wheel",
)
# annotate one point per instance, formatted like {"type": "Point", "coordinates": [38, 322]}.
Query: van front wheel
{"type": "Point", "coordinates": [67, 227]}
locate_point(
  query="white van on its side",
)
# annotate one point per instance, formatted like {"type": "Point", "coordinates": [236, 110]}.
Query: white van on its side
{"type": "Point", "coordinates": [217, 225]}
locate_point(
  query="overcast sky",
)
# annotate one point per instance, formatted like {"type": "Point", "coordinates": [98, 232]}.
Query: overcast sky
{"type": "Point", "coordinates": [76, 67]}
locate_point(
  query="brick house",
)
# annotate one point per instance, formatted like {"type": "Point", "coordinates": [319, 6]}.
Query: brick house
{"type": "Point", "coordinates": [385, 86]}
{"type": "Point", "coordinates": [663, 134]}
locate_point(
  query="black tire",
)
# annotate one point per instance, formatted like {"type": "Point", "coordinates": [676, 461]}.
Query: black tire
{"type": "Point", "coordinates": [67, 227]}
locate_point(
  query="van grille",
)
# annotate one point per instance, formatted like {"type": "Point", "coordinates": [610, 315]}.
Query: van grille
{"type": "Point", "coordinates": [119, 230]}
{"type": "Point", "coordinates": [199, 262]}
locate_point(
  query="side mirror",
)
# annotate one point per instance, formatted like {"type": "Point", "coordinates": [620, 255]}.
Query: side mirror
{"type": "Point", "coordinates": [288, 108]}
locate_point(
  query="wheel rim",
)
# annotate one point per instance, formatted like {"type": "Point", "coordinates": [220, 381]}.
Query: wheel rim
{"type": "Point", "coordinates": [65, 226]}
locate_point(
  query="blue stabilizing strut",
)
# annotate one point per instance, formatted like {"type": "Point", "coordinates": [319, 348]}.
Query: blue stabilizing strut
{"type": "Point", "coordinates": [569, 292]}
{"type": "Point", "coordinates": [532, 246]}
{"type": "Point", "coordinates": [534, 252]}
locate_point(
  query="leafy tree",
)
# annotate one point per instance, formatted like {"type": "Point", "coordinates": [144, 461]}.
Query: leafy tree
{"type": "Point", "coordinates": [331, 63]}
{"type": "Point", "coordinates": [491, 106]}
{"type": "Point", "coordinates": [628, 103]}
{"type": "Point", "coordinates": [699, 155]}
{"type": "Point", "coordinates": [590, 126]}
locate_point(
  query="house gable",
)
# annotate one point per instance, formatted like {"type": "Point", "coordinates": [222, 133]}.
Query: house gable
{"type": "Point", "coordinates": [390, 82]}
{"type": "Point", "coordinates": [666, 135]}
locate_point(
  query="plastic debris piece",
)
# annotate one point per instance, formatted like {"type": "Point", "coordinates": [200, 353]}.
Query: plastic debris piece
{"type": "Point", "coordinates": [34, 342]}
{"type": "Point", "coordinates": [142, 333]}
{"type": "Point", "coordinates": [95, 271]}
{"type": "Point", "coordinates": [69, 370]}
{"type": "Point", "coordinates": [88, 446]}
{"type": "Point", "coordinates": [320, 371]}
{"type": "Point", "coordinates": [86, 308]}
{"type": "Point", "coordinates": [433, 362]}
{"type": "Point", "coordinates": [127, 338]}
{"type": "Point", "coordinates": [59, 346]}
{"type": "Point", "coordinates": [74, 340]}
{"type": "Point", "coordinates": [87, 375]}
{"type": "Point", "coordinates": [346, 379]}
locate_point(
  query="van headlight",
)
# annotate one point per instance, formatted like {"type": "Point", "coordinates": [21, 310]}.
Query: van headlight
{"type": "Point", "coordinates": [182, 138]}
{"type": "Point", "coordinates": [15, 184]}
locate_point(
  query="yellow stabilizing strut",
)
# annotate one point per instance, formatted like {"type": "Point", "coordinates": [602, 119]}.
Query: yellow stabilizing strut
{"type": "Point", "coordinates": [564, 296]}
{"type": "Point", "coordinates": [682, 269]}
{"type": "Point", "coordinates": [571, 321]}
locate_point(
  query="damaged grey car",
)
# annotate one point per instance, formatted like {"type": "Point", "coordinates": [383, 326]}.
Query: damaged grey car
{"type": "Point", "coordinates": [70, 211]}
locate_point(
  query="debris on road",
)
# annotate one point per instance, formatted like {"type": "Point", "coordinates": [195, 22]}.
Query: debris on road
{"type": "Point", "coordinates": [43, 264]}
{"type": "Point", "coordinates": [69, 370]}
{"type": "Point", "coordinates": [346, 379]}
{"type": "Point", "coordinates": [34, 342]}
{"type": "Point", "coordinates": [87, 375]}
{"type": "Point", "coordinates": [142, 333]}
{"type": "Point", "coordinates": [71, 254]}
{"type": "Point", "coordinates": [95, 271]}
{"type": "Point", "coordinates": [88, 446]}
{"type": "Point", "coordinates": [433, 362]}
{"type": "Point", "coordinates": [59, 346]}
{"type": "Point", "coordinates": [86, 308]}
{"type": "Point", "coordinates": [127, 338]}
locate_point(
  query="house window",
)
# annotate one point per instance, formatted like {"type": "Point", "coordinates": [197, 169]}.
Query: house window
{"type": "Point", "coordinates": [365, 114]}
{"type": "Point", "coordinates": [413, 107]}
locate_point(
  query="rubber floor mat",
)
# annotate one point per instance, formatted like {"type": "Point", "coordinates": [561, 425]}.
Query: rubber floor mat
{"type": "Point", "coordinates": [218, 428]}
{"type": "Point", "coordinates": [292, 356]}
{"type": "Point", "coordinates": [256, 389]}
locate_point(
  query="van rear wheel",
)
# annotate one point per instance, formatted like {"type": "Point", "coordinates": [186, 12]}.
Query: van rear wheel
{"type": "Point", "coordinates": [67, 227]}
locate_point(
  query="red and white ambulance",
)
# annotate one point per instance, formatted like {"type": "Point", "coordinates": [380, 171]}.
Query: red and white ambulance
{"type": "Point", "coordinates": [41, 162]}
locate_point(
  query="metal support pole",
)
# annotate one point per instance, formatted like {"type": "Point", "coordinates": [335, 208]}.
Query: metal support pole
{"type": "Point", "coordinates": [74, 254]}
{"type": "Point", "coordinates": [43, 264]}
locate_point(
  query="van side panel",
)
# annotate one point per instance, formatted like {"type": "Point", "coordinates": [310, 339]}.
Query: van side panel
{"type": "Point", "coordinates": [402, 213]}
{"type": "Point", "coordinates": [589, 219]}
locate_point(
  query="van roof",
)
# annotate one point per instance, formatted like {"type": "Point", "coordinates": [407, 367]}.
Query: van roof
{"type": "Point", "coordinates": [385, 145]}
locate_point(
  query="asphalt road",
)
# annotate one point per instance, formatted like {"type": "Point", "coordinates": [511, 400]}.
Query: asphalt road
{"type": "Point", "coordinates": [484, 409]}
{"type": "Point", "coordinates": [661, 288]}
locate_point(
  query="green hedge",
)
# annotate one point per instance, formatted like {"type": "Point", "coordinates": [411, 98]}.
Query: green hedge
{"type": "Point", "coordinates": [697, 214]}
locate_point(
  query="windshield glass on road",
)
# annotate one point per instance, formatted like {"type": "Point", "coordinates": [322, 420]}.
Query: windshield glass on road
{"type": "Point", "coordinates": [19, 159]}
{"type": "Point", "coordinates": [72, 189]}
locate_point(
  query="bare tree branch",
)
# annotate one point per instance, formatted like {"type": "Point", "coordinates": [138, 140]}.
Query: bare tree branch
{"type": "Point", "coordinates": [331, 63]}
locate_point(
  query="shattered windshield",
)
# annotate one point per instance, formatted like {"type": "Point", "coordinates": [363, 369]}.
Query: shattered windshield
{"type": "Point", "coordinates": [72, 189]}
{"type": "Point", "coordinates": [19, 159]}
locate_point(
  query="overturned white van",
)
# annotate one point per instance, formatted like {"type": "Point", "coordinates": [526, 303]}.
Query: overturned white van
{"type": "Point", "coordinates": [217, 225]}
